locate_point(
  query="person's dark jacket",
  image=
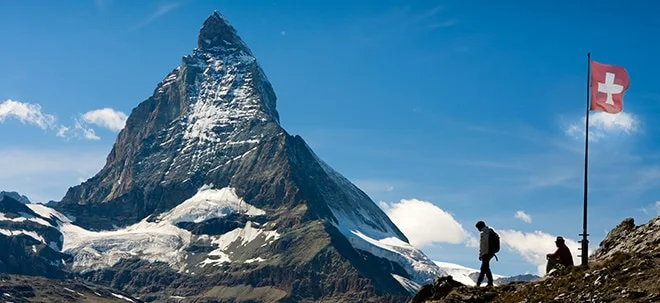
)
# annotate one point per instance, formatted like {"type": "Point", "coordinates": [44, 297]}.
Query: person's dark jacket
{"type": "Point", "coordinates": [562, 255]}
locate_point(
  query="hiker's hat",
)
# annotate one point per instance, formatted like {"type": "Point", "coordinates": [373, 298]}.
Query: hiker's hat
{"type": "Point", "coordinates": [559, 240]}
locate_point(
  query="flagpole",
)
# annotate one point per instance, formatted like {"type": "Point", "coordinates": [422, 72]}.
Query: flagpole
{"type": "Point", "coordinates": [585, 241]}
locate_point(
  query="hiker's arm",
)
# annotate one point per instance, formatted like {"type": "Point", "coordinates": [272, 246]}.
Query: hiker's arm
{"type": "Point", "coordinates": [554, 254]}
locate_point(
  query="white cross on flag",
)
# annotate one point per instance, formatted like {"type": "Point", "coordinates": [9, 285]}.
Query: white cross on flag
{"type": "Point", "coordinates": [608, 83]}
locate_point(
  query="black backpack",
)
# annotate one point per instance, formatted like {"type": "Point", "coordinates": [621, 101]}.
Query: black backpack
{"type": "Point", "coordinates": [493, 242]}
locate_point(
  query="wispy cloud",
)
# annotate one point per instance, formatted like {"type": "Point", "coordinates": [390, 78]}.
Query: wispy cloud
{"type": "Point", "coordinates": [425, 223]}
{"type": "Point", "coordinates": [80, 130]}
{"type": "Point", "coordinates": [160, 11]}
{"type": "Point", "coordinates": [653, 209]}
{"type": "Point", "coordinates": [603, 125]}
{"type": "Point", "coordinates": [26, 113]}
{"type": "Point", "coordinates": [402, 20]}
{"type": "Point", "coordinates": [523, 216]}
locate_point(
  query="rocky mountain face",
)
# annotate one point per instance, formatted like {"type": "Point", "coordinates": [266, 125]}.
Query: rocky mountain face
{"type": "Point", "coordinates": [625, 268]}
{"type": "Point", "coordinates": [206, 198]}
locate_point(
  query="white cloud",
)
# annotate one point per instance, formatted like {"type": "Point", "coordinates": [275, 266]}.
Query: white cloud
{"type": "Point", "coordinates": [26, 113]}
{"type": "Point", "coordinates": [535, 246]}
{"type": "Point", "coordinates": [602, 124]}
{"type": "Point", "coordinates": [523, 216]}
{"type": "Point", "coordinates": [106, 117]}
{"type": "Point", "coordinates": [80, 130]}
{"type": "Point", "coordinates": [424, 223]}
{"type": "Point", "coordinates": [61, 132]}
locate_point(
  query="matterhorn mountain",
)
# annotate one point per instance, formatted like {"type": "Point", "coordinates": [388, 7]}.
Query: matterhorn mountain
{"type": "Point", "coordinates": [206, 198]}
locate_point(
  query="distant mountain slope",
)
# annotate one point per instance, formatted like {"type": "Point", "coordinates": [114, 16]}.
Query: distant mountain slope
{"type": "Point", "coordinates": [16, 196]}
{"type": "Point", "coordinates": [468, 276]}
{"type": "Point", "coordinates": [24, 289]}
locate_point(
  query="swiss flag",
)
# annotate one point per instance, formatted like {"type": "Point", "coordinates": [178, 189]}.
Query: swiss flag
{"type": "Point", "coordinates": [608, 83]}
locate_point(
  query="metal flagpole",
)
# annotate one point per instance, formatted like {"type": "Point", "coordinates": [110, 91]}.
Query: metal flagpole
{"type": "Point", "coordinates": [585, 241]}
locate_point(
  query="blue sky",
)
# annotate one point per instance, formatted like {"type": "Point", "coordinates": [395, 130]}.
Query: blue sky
{"type": "Point", "coordinates": [473, 106]}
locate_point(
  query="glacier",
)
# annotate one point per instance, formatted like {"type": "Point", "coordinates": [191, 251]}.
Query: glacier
{"type": "Point", "coordinates": [157, 238]}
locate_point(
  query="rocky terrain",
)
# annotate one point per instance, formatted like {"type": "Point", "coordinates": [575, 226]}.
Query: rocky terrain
{"type": "Point", "coordinates": [625, 268]}
{"type": "Point", "coordinates": [24, 289]}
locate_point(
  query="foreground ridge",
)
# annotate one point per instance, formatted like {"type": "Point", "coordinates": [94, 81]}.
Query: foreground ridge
{"type": "Point", "coordinates": [624, 269]}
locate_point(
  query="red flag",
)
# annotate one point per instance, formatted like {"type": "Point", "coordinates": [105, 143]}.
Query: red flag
{"type": "Point", "coordinates": [608, 83]}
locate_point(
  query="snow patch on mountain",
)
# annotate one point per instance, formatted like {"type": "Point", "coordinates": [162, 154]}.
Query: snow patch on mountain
{"type": "Point", "coordinates": [239, 237]}
{"type": "Point", "coordinates": [48, 212]}
{"type": "Point", "coordinates": [24, 217]}
{"type": "Point", "coordinates": [409, 285]}
{"type": "Point", "coordinates": [208, 204]}
{"type": "Point", "coordinates": [28, 233]}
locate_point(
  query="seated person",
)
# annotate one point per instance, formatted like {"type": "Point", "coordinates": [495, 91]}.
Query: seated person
{"type": "Point", "coordinates": [561, 257]}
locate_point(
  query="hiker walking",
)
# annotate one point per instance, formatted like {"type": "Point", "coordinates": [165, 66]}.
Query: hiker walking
{"type": "Point", "coordinates": [560, 258]}
{"type": "Point", "coordinates": [489, 244]}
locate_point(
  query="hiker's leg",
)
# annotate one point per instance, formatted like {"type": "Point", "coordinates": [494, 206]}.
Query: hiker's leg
{"type": "Point", "coordinates": [489, 274]}
{"type": "Point", "coordinates": [482, 269]}
{"type": "Point", "coordinates": [552, 263]}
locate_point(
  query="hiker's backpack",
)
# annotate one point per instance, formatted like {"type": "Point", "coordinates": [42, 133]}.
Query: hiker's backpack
{"type": "Point", "coordinates": [493, 242]}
